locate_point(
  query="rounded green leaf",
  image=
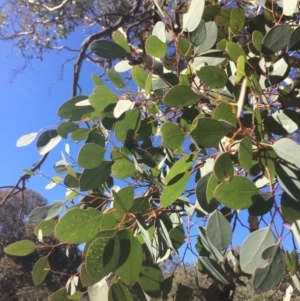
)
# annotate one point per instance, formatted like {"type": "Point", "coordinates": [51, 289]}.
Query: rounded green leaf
{"type": "Point", "coordinates": [155, 47]}
{"type": "Point", "coordinates": [223, 18]}
{"type": "Point", "coordinates": [207, 132]}
{"type": "Point", "coordinates": [78, 225]}
{"type": "Point", "coordinates": [90, 155]}
{"type": "Point", "coordinates": [223, 168]}
{"type": "Point", "coordinates": [204, 188]}
{"type": "Point", "coordinates": [180, 95]}
{"type": "Point", "coordinates": [103, 99]}
{"type": "Point", "coordinates": [102, 257]}
{"type": "Point", "coordinates": [60, 295]}
{"type": "Point", "coordinates": [211, 31]}
{"type": "Point", "coordinates": [172, 135]}
{"type": "Point", "coordinates": [213, 76]}
{"type": "Point", "coordinates": [174, 189]}
{"type": "Point", "coordinates": [107, 49]}
{"type": "Point", "coordinates": [290, 208]}
{"type": "Point", "coordinates": [69, 110]}
{"type": "Point", "coordinates": [181, 166]}
{"type": "Point", "coordinates": [64, 128]}
{"type": "Point", "coordinates": [128, 125]}
{"type": "Point", "coordinates": [40, 270]}
{"type": "Point", "coordinates": [139, 76]}
{"type": "Point", "coordinates": [115, 78]}
{"type": "Point", "coordinates": [122, 169]}
{"type": "Point", "coordinates": [185, 47]}
{"type": "Point", "coordinates": [79, 134]}
{"type": "Point", "coordinates": [245, 153]}
{"type": "Point", "coordinates": [20, 248]}
{"type": "Point", "coordinates": [94, 178]}
{"type": "Point", "coordinates": [47, 227]}
{"type": "Point", "coordinates": [97, 136]}
{"type": "Point", "coordinates": [276, 39]}
{"type": "Point", "coordinates": [151, 278]}
{"type": "Point", "coordinates": [237, 194]}
{"type": "Point", "coordinates": [224, 111]}
{"type": "Point", "coordinates": [294, 42]}
{"type": "Point", "coordinates": [120, 39]}
{"type": "Point", "coordinates": [177, 236]}
{"type": "Point", "coordinates": [235, 51]}
{"type": "Point", "coordinates": [262, 204]}
{"type": "Point", "coordinates": [131, 261]}
{"type": "Point", "coordinates": [118, 291]}
{"type": "Point", "coordinates": [237, 20]}
{"type": "Point", "coordinates": [47, 141]}
{"type": "Point", "coordinates": [286, 149]}
{"type": "Point", "coordinates": [97, 80]}
{"type": "Point", "coordinates": [257, 38]}
{"type": "Point", "coordinates": [268, 276]}
{"type": "Point", "coordinates": [219, 230]}
{"type": "Point", "coordinates": [240, 68]}
{"type": "Point", "coordinates": [252, 248]}
{"type": "Point", "coordinates": [46, 212]}
{"type": "Point", "coordinates": [198, 36]}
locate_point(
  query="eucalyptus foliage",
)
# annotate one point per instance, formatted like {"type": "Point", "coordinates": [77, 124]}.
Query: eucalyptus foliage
{"type": "Point", "coordinates": [205, 137]}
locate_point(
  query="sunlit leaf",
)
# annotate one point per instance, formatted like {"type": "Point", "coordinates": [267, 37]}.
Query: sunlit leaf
{"type": "Point", "coordinates": [120, 39]}
{"type": "Point", "coordinates": [47, 141]}
{"type": "Point", "coordinates": [90, 155]}
{"type": "Point", "coordinates": [252, 248]}
{"type": "Point", "coordinates": [212, 76]}
{"type": "Point", "coordinates": [40, 270]}
{"type": "Point", "coordinates": [46, 212]}
{"type": "Point", "coordinates": [276, 38]}
{"type": "Point", "coordinates": [20, 248]}
{"type": "Point", "coordinates": [78, 225]}
{"type": "Point", "coordinates": [26, 139]}
{"type": "Point", "coordinates": [130, 261]}
{"type": "Point", "coordinates": [237, 194]}
{"type": "Point", "coordinates": [102, 257]}
{"type": "Point", "coordinates": [219, 230]}
{"type": "Point", "coordinates": [268, 276]}
{"type": "Point", "coordinates": [192, 18]}
{"type": "Point", "coordinates": [207, 132]}
{"type": "Point", "coordinates": [155, 47]}
{"type": "Point", "coordinates": [107, 49]}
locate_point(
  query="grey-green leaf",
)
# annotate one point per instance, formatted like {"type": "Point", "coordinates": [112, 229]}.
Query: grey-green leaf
{"type": "Point", "coordinates": [46, 212]}
{"type": "Point", "coordinates": [219, 230]}
{"type": "Point", "coordinates": [107, 49]}
{"type": "Point", "coordinates": [252, 249]}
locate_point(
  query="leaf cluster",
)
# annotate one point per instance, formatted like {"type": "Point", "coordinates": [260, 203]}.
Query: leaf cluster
{"type": "Point", "coordinates": [202, 137]}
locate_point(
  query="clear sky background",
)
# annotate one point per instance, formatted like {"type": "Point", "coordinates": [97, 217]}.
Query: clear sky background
{"type": "Point", "coordinates": [29, 103]}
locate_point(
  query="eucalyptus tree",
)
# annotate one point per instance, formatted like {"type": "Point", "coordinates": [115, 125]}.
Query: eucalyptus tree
{"type": "Point", "coordinates": [200, 146]}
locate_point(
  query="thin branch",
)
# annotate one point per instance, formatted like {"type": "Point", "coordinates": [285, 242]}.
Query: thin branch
{"type": "Point", "coordinates": [23, 179]}
{"type": "Point", "coordinates": [87, 42]}
{"type": "Point", "coordinates": [51, 9]}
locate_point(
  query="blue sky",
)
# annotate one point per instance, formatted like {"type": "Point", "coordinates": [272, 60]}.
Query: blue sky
{"type": "Point", "coordinates": [29, 103]}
